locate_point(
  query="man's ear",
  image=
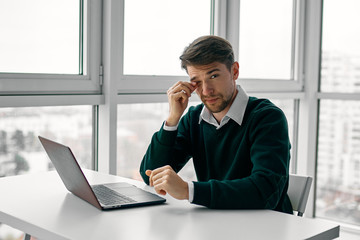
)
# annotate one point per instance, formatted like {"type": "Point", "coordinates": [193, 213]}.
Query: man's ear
{"type": "Point", "coordinates": [235, 70]}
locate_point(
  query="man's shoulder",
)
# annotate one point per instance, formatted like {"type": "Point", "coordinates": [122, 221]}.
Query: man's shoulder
{"type": "Point", "coordinates": [262, 106]}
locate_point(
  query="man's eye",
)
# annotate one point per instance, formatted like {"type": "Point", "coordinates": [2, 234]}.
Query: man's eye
{"type": "Point", "coordinates": [213, 76]}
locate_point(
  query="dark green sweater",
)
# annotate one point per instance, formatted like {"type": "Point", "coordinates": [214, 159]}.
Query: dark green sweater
{"type": "Point", "coordinates": [237, 167]}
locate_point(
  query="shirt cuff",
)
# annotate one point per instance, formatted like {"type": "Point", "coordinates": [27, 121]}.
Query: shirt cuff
{"type": "Point", "coordinates": [191, 191]}
{"type": "Point", "coordinates": [170, 128]}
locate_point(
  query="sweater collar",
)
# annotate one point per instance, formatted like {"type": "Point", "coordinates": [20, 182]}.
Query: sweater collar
{"type": "Point", "coordinates": [236, 111]}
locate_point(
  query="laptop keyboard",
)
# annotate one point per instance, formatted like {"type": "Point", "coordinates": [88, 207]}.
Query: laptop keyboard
{"type": "Point", "coordinates": [108, 196]}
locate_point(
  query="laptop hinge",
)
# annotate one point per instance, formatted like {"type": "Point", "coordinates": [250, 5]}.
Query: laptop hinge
{"type": "Point", "coordinates": [101, 75]}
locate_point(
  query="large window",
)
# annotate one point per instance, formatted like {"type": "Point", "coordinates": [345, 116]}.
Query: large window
{"type": "Point", "coordinates": [51, 54]}
{"type": "Point", "coordinates": [338, 156]}
{"type": "Point", "coordinates": [40, 37]}
{"type": "Point", "coordinates": [50, 46]}
{"type": "Point", "coordinates": [152, 46]}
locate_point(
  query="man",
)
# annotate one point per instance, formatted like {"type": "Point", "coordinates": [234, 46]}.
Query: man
{"type": "Point", "coordinates": [239, 144]}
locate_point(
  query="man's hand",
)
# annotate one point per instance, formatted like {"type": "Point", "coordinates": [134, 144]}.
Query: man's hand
{"type": "Point", "coordinates": [165, 180]}
{"type": "Point", "coordinates": [178, 96]}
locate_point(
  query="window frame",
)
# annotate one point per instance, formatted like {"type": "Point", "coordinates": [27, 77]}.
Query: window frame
{"type": "Point", "coordinates": [225, 23]}
{"type": "Point", "coordinates": [107, 18]}
{"type": "Point", "coordinates": [89, 83]}
{"type": "Point", "coordinates": [159, 83]}
{"type": "Point", "coordinates": [296, 82]}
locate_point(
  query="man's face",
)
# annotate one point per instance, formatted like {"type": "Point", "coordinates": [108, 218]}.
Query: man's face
{"type": "Point", "coordinates": [215, 85]}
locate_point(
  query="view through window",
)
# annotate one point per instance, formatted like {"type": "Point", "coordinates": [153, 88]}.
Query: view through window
{"type": "Point", "coordinates": [135, 129]}
{"type": "Point", "coordinates": [21, 151]}
{"type": "Point", "coordinates": [338, 174]}
{"type": "Point", "coordinates": [338, 170]}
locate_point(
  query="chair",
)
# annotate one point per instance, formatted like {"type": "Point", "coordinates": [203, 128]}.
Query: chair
{"type": "Point", "coordinates": [298, 192]}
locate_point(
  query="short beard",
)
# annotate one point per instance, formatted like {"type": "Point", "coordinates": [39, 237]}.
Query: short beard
{"type": "Point", "coordinates": [221, 107]}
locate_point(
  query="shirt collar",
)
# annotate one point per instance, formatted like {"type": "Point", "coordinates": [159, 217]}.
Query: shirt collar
{"type": "Point", "coordinates": [236, 111]}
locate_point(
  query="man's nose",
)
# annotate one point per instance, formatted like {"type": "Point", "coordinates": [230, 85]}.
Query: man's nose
{"type": "Point", "coordinates": [207, 89]}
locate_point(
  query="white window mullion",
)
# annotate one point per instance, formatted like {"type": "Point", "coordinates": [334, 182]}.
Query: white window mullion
{"type": "Point", "coordinates": [112, 52]}
{"type": "Point", "coordinates": [298, 44]}
{"type": "Point", "coordinates": [50, 100]}
{"type": "Point", "coordinates": [92, 47]}
{"type": "Point", "coordinates": [232, 24]}
{"type": "Point", "coordinates": [308, 116]}
{"type": "Point", "coordinates": [219, 18]}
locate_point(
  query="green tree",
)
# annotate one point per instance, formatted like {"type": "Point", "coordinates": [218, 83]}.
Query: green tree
{"type": "Point", "coordinates": [3, 142]}
{"type": "Point", "coordinates": [21, 164]}
{"type": "Point", "coordinates": [19, 140]}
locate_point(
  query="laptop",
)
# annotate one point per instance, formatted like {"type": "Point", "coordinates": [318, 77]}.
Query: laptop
{"type": "Point", "coordinates": [103, 196]}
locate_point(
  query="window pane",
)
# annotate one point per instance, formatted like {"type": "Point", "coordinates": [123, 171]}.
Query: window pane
{"type": "Point", "coordinates": [338, 163]}
{"type": "Point", "coordinates": [266, 39]}
{"type": "Point", "coordinates": [156, 33]}
{"type": "Point", "coordinates": [39, 36]}
{"type": "Point", "coordinates": [135, 129]}
{"type": "Point", "coordinates": [134, 132]}
{"type": "Point", "coordinates": [20, 149]}
{"type": "Point", "coordinates": [141, 121]}
{"type": "Point", "coordinates": [340, 70]}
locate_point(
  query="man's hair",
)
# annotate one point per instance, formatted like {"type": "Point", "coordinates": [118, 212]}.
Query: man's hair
{"type": "Point", "coordinates": [206, 50]}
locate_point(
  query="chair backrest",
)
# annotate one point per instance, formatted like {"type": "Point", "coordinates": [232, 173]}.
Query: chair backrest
{"type": "Point", "coordinates": [298, 192]}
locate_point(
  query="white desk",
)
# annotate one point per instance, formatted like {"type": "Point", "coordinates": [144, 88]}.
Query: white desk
{"type": "Point", "coordinates": [41, 206]}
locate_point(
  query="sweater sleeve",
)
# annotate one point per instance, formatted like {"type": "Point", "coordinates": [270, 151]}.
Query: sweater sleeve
{"type": "Point", "coordinates": [267, 184]}
{"type": "Point", "coordinates": [167, 148]}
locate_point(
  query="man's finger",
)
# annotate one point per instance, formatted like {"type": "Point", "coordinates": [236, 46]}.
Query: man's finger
{"type": "Point", "coordinates": [159, 190]}
{"type": "Point", "coordinates": [148, 173]}
{"type": "Point", "coordinates": [156, 174]}
{"type": "Point", "coordinates": [185, 87]}
{"type": "Point", "coordinates": [158, 177]}
{"type": "Point", "coordinates": [183, 96]}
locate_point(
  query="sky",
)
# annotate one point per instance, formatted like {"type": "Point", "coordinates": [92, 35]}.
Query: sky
{"type": "Point", "coordinates": [341, 26]}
